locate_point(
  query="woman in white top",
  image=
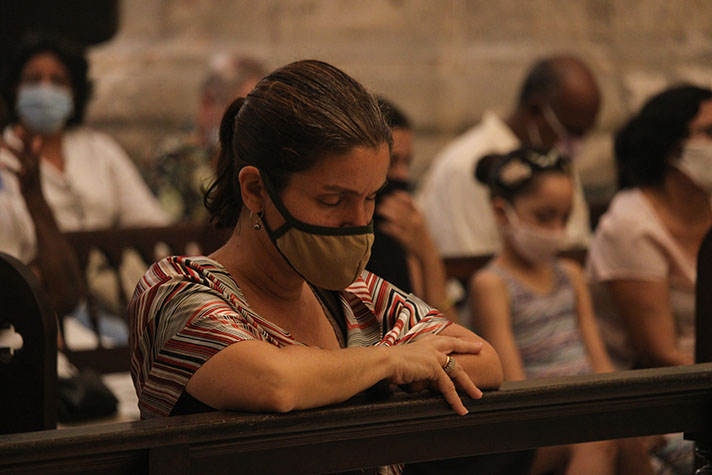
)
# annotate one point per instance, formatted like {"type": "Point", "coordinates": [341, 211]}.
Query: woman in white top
{"type": "Point", "coordinates": [642, 263]}
{"type": "Point", "coordinates": [56, 175]}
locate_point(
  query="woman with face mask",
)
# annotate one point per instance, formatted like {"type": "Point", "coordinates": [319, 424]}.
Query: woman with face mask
{"type": "Point", "coordinates": [535, 308]}
{"type": "Point", "coordinates": [642, 262]}
{"type": "Point", "coordinates": [283, 316]}
{"type": "Point", "coordinates": [56, 174]}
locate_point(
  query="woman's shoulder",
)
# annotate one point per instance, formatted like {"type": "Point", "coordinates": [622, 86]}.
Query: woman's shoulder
{"type": "Point", "coordinates": [81, 136]}
{"type": "Point", "coordinates": [488, 279]}
{"type": "Point", "coordinates": [176, 269]}
{"type": "Point", "coordinates": [629, 217]}
{"type": "Point", "coordinates": [629, 207]}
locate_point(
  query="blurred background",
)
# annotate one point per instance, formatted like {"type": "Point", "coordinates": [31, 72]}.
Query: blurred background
{"type": "Point", "coordinates": [444, 62]}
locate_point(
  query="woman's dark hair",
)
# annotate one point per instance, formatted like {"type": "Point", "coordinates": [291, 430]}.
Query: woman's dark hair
{"type": "Point", "coordinates": [71, 55]}
{"type": "Point", "coordinates": [646, 142]}
{"type": "Point", "coordinates": [291, 120]}
{"type": "Point", "coordinates": [515, 174]}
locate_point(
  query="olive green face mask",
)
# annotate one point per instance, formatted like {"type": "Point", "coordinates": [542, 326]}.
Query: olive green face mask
{"type": "Point", "coordinates": [329, 258]}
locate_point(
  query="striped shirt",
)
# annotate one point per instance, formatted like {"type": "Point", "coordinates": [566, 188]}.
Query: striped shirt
{"type": "Point", "coordinates": [545, 326]}
{"type": "Point", "coordinates": [186, 309]}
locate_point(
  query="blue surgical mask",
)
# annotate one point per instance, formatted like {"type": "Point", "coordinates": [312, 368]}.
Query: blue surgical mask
{"type": "Point", "coordinates": [44, 108]}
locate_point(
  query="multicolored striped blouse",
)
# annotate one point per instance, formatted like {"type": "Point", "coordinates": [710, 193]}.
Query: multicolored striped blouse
{"type": "Point", "coordinates": [186, 309]}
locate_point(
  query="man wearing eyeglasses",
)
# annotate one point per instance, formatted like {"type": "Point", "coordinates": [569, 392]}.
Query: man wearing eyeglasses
{"type": "Point", "coordinates": [558, 104]}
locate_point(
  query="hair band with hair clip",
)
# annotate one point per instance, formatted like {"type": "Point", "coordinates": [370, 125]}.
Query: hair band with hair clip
{"type": "Point", "coordinates": [514, 172]}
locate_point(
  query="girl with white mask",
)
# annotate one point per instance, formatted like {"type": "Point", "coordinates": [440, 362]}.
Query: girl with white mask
{"type": "Point", "coordinates": [534, 307]}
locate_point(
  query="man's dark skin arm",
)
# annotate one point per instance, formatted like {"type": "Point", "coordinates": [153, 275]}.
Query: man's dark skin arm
{"type": "Point", "coordinates": [56, 263]}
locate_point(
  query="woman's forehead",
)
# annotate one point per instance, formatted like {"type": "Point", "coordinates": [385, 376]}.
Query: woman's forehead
{"type": "Point", "coordinates": [357, 170]}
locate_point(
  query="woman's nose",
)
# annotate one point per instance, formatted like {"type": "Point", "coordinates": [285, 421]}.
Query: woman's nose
{"type": "Point", "coordinates": [360, 215]}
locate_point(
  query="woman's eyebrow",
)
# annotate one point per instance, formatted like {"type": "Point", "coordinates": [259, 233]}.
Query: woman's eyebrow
{"type": "Point", "coordinates": [343, 189]}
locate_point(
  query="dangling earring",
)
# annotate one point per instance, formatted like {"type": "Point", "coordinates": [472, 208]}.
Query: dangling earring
{"type": "Point", "coordinates": [257, 224]}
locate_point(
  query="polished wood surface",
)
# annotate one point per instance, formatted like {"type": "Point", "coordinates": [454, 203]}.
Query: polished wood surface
{"type": "Point", "coordinates": [28, 377]}
{"type": "Point", "coordinates": [365, 432]}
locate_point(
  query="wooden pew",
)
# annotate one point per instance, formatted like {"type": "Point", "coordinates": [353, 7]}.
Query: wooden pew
{"type": "Point", "coordinates": [28, 359]}
{"type": "Point", "coordinates": [113, 244]}
{"type": "Point", "coordinates": [404, 428]}
{"type": "Point", "coordinates": [365, 433]}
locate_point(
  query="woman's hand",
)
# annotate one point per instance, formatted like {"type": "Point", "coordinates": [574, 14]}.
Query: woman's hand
{"type": "Point", "coordinates": [419, 365]}
{"type": "Point", "coordinates": [404, 222]}
{"type": "Point", "coordinates": [29, 157]}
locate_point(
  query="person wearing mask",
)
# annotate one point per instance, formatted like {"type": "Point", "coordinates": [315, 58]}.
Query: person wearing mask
{"type": "Point", "coordinates": [642, 261]}
{"type": "Point", "coordinates": [56, 174]}
{"type": "Point", "coordinates": [284, 316]}
{"type": "Point", "coordinates": [535, 308]}
{"type": "Point", "coordinates": [403, 252]}
{"type": "Point", "coordinates": [182, 166]}
{"type": "Point", "coordinates": [557, 106]}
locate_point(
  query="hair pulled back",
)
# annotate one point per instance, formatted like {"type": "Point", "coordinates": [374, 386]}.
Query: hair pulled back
{"type": "Point", "coordinates": [644, 145]}
{"type": "Point", "coordinates": [516, 173]}
{"type": "Point", "coordinates": [291, 120]}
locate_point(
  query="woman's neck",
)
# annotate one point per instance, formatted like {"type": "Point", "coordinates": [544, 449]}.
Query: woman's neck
{"type": "Point", "coordinates": [51, 150]}
{"type": "Point", "coordinates": [510, 258]}
{"type": "Point", "coordinates": [537, 275]}
{"type": "Point", "coordinates": [684, 200]}
{"type": "Point", "coordinates": [255, 263]}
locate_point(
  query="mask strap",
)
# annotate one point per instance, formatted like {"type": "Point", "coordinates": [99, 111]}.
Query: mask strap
{"type": "Point", "coordinates": [534, 135]}
{"type": "Point", "coordinates": [292, 222]}
{"type": "Point", "coordinates": [554, 122]}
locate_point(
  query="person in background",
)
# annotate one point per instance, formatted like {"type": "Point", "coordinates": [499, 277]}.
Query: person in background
{"type": "Point", "coordinates": [642, 261]}
{"type": "Point", "coordinates": [182, 167]}
{"type": "Point", "coordinates": [535, 308]}
{"type": "Point", "coordinates": [403, 252]}
{"type": "Point", "coordinates": [55, 173]}
{"type": "Point", "coordinates": [557, 106]}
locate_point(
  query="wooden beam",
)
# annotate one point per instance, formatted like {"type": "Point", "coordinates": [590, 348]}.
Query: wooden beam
{"type": "Point", "coordinates": [403, 428]}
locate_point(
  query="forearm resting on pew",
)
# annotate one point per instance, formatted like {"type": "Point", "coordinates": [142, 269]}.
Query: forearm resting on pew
{"type": "Point", "coordinates": [268, 378]}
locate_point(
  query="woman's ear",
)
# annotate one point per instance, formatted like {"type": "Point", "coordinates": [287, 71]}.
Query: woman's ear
{"type": "Point", "coordinates": [499, 206]}
{"type": "Point", "coordinates": [252, 189]}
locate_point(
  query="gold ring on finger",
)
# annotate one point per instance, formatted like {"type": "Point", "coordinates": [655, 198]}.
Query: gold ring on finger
{"type": "Point", "coordinates": [449, 364]}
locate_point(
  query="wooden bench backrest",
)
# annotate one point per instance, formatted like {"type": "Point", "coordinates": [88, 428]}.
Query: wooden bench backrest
{"type": "Point", "coordinates": [112, 245]}
{"type": "Point", "coordinates": [703, 302]}
{"type": "Point", "coordinates": [28, 376]}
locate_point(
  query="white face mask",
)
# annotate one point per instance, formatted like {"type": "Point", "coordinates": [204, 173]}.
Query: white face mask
{"type": "Point", "coordinates": [696, 164]}
{"type": "Point", "coordinates": [532, 243]}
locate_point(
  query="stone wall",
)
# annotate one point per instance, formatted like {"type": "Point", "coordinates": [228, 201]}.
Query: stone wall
{"type": "Point", "coordinates": [443, 61]}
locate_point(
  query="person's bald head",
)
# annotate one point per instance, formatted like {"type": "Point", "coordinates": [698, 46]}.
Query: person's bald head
{"type": "Point", "coordinates": [562, 85]}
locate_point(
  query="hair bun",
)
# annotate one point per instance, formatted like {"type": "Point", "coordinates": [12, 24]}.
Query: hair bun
{"type": "Point", "coordinates": [485, 166]}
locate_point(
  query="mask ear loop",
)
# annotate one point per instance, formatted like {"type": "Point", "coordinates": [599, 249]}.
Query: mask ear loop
{"type": "Point", "coordinates": [534, 135]}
